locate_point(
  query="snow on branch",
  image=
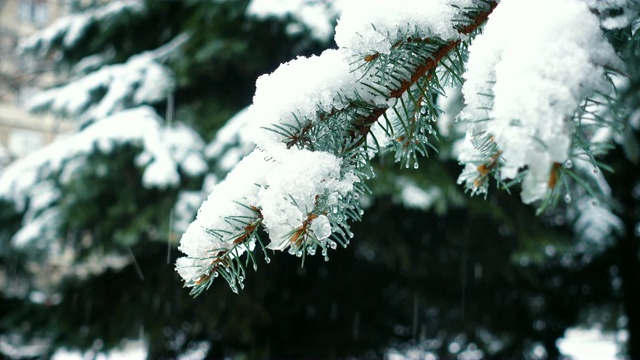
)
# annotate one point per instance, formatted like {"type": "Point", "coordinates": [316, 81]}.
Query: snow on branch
{"type": "Point", "coordinates": [165, 153]}
{"type": "Point", "coordinates": [143, 79]}
{"type": "Point", "coordinates": [318, 121]}
{"type": "Point", "coordinates": [310, 120]}
{"type": "Point", "coordinates": [523, 90]}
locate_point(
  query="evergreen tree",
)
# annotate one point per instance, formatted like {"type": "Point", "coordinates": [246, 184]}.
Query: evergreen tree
{"type": "Point", "coordinates": [454, 276]}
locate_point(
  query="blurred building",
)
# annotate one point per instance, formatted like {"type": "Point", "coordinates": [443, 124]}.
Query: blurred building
{"type": "Point", "coordinates": [21, 132]}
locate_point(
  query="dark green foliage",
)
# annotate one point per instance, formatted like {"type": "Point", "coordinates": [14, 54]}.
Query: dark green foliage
{"type": "Point", "coordinates": [459, 274]}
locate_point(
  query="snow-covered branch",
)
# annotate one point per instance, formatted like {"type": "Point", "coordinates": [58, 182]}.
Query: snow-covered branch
{"type": "Point", "coordinates": [165, 153]}
{"type": "Point", "coordinates": [310, 120]}
{"type": "Point", "coordinates": [524, 106]}
{"type": "Point", "coordinates": [142, 80]}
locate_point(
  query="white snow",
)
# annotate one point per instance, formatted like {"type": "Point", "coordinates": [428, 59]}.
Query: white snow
{"type": "Point", "coordinates": [164, 151]}
{"type": "Point", "coordinates": [285, 184]}
{"type": "Point", "coordinates": [295, 92]}
{"type": "Point", "coordinates": [282, 184]}
{"type": "Point", "coordinates": [587, 344]}
{"type": "Point", "coordinates": [292, 188]}
{"type": "Point", "coordinates": [364, 29]}
{"type": "Point", "coordinates": [529, 98]}
{"type": "Point", "coordinates": [316, 15]}
{"type": "Point", "coordinates": [143, 79]}
{"type": "Point", "coordinates": [129, 350]}
{"type": "Point", "coordinates": [228, 198]}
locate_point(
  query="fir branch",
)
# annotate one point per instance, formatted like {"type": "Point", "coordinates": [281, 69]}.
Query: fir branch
{"type": "Point", "coordinates": [360, 127]}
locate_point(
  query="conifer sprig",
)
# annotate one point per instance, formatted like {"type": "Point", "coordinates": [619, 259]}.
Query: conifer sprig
{"type": "Point", "coordinates": [396, 91]}
{"type": "Point", "coordinates": [413, 62]}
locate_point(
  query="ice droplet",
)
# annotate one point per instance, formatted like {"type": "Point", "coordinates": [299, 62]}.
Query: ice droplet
{"type": "Point", "coordinates": [267, 259]}
{"type": "Point", "coordinates": [567, 198]}
{"type": "Point", "coordinates": [299, 253]}
{"type": "Point", "coordinates": [568, 164]}
{"type": "Point", "coordinates": [415, 165]}
{"type": "Point", "coordinates": [333, 245]}
{"type": "Point", "coordinates": [321, 227]}
{"type": "Point", "coordinates": [215, 274]}
{"type": "Point", "coordinates": [356, 196]}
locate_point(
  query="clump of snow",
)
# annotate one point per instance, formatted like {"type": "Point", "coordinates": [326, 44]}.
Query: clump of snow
{"type": "Point", "coordinates": [284, 185]}
{"type": "Point", "coordinates": [316, 15]}
{"type": "Point", "coordinates": [293, 187]}
{"type": "Point", "coordinates": [530, 99]}
{"type": "Point", "coordinates": [292, 95]}
{"type": "Point", "coordinates": [365, 30]}
{"type": "Point", "coordinates": [211, 232]}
